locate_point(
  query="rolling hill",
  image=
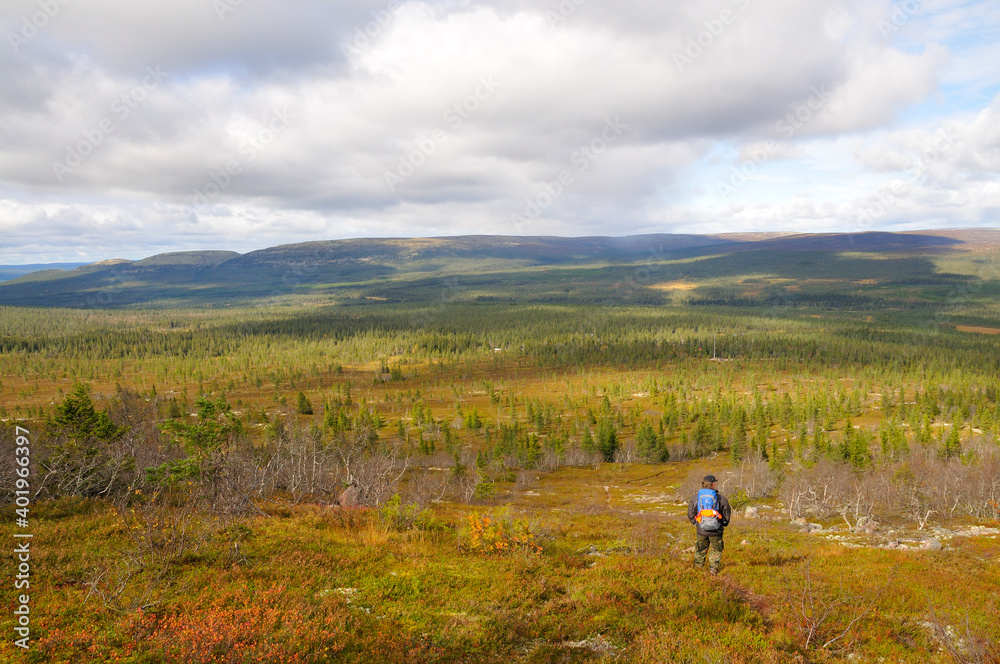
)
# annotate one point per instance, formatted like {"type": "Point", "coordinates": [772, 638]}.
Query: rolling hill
{"type": "Point", "coordinates": [645, 269]}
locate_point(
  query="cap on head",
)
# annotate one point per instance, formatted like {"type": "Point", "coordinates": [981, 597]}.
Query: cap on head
{"type": "Point", "coordinates": [709, 478]}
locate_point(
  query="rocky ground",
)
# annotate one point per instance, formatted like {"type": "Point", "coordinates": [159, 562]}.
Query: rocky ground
{"type": "Point", "coordinates": [869, 533]}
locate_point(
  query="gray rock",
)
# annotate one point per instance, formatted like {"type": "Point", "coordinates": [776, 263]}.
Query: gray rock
{"type": "Point", "coordinates": [751, 513]}
{"type": "Point", "coordinates": [815, 527]}
{"type": "Point", "coordinates": [349, 497]}
{"type": "Point", "coordinates": [866, 526]}
{"type": "Point", "coordinates": [801, 522]}
{"type": "Point", "coordinates": [931, 544]}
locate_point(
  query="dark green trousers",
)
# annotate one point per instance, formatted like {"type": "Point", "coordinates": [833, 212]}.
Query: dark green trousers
{"type": "Point", "coordinates": [711, 545]}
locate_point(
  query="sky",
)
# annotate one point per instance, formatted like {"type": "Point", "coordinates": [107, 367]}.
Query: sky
{"type": "Point", "coordinates": [129, 129]}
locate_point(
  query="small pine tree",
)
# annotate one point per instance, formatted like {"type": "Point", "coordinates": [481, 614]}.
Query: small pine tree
{"type": "Point", "coordinates": [951, 445]}
{"type": "Point", "coordinates": [173, 409]}
{"type": "Point", "coordinates": [607, 439]}
{"type": "Point", "coordinates": [649, 445]}
{"type": "Point", "coordinates": [305, 406]}
{"type": "Point", "coordinates": [738, 450]}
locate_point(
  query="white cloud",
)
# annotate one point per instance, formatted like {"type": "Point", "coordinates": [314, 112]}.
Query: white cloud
{"type": "Point", "coordinates": [533, 83]}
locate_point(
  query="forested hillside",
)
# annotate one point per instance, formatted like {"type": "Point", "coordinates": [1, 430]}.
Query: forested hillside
{"type": "Point", "coordinates": [529, 269]}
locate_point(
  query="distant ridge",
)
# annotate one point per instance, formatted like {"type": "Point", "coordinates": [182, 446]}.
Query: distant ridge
{"type": "Point", "coordinates": [414, 269]}
{"type": "Point", "coordinates": [8, 272]}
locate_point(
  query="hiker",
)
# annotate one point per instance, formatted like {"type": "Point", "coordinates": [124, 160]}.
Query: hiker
{"type": "Point", "coordinates": [710, 512]}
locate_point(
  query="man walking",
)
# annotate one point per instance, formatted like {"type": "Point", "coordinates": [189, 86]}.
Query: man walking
{"type": "Point", "coordinates": [710, 512]}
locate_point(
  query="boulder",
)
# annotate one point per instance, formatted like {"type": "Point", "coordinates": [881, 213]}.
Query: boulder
{"type": "Point", "coordinates": [800, 522]}
{"type": "Point", "coordinates": [349, 497]}
{"type": "Point", "coordinates": [865, 525]}
{"type": "Point", "coordinates": [751, 513]}
{"type": "Point", "coordinates": [931, 544]}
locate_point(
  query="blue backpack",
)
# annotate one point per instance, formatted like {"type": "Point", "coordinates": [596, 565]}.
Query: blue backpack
{"type": "Point", "coordinates": [709, 517]}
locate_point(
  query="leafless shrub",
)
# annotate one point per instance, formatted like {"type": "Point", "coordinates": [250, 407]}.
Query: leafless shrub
{"type": "Point", "coordinates": [439, 459]}
{"type": "Point", "coordinates": [579, 457]}
{"type": "Point", "coordinates": [468, 485]}
{"type": "Point", "coordinates": [426, 487]}
{"type": "Point", "coordinates": [690, 485]}
{"type": "Point", "coordinates": [374, 468]}
{"type": "Point", "coordinates": [158, 535]}
{"type": "Point", "coordinates": [525, 480]}
{"type": "Point", "coordinates": [874, 493]}
{"type": "Point", "coordinates": [920, 487]}
{"type": "Point", "coordinates": [112, 469]}
{"type": "Point", "coordinates": [646, 536]}
{"type": "Point", "coordinates": [125, 583]}
{"type": "Point", "coordinates": [166, 532]}
{"type": "Point", "coordinates": [754, 476]}
{"type": "Point", "coordinates": [981, 479]}
{"type": "Point", "coordinates": [594, 502]}
{"type": "Point", "coordinates": [627, 453]}
{"type": "Point", "coordinates": [962, 644]}
{"type": "Point", "coordinates": [826, 617]}
{"type": "Point", "coordinates": [821, 491]}
{"type": "Point", "coordinates": [796, 493]}
{"type": "Point", "coordinates": [85, 468]}
{"type": "Point", "coordinates": [234, 490]}
{"type": "Point", "coordinates": [297, 460]}
{"type": "Point", "coordinates": [682, 452]}
{"type": "Point", "coordinates": [953, 487]}
{"type": "Point", "coordinates": [140, 415]}
{"type": "Point", "coordinates": [552, 459]}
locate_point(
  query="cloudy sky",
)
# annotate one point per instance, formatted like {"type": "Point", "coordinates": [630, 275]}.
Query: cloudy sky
{"type": "Point", "coordinates": [133, 128]}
